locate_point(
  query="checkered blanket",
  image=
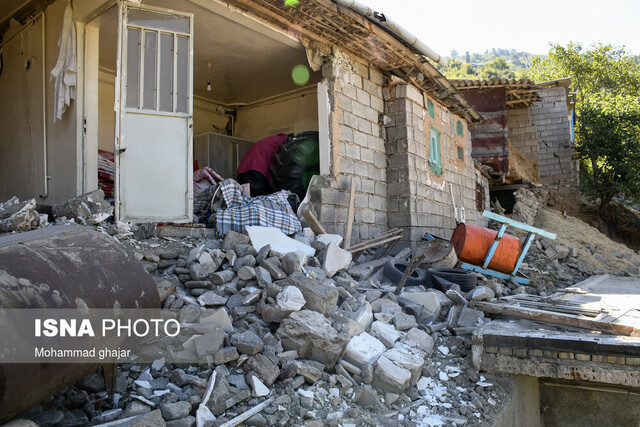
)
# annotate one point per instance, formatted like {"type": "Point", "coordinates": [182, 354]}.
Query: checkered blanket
{"type": "Point", "coordinates": [241, 211]}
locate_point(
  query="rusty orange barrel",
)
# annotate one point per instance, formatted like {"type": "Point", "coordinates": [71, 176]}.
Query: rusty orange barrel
{"type": "Point", "coordinates": [472, 244]}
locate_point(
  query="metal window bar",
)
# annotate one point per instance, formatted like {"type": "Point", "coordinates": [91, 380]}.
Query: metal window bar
{"type": "Point", "coordinates": [142, 42]}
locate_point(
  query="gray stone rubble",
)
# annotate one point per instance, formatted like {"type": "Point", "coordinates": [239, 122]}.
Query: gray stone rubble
{"type": "Point", "coordinates": [329, 347]}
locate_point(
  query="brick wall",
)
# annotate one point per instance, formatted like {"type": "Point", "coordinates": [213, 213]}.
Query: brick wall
{"type": "Point", "coordinates": [418, 199]}
{"type": "Point", "coordinates": [522, 134]}
{"type": "Point", "coordinates": [558, 170]}
{"type": "Point", "coordinates": [379, 139]}
{"type": "Point", "coordinates": [357, 150]}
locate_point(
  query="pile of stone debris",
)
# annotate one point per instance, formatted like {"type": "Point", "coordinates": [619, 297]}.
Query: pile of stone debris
{"type": "Point", "coordinates": [294, 339]}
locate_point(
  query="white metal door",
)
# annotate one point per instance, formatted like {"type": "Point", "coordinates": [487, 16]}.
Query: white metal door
{"type": "Point", "coordinates": [154, 106]}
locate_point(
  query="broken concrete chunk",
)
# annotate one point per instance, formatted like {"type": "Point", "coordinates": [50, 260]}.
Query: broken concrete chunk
{"type": "Point", "coordinates": [232, 238]}
{"type": "Point", "coordinates": [327, 239]}
{"type": "Point", "coordinates": [264, 368]}
{"type": "Point", "coordinates": [408, 358]}
{"type": "Point", "coordinates": [427, 300]}
{"type": "Point", "coordinates": [90, 207]}
{"type": "Point", "coordinates": [199, 272]}
{"type": "Point", "coordinates": [247, 273]}
{"type": "Point", "coordinates": [363, 349]}
{"type": "Point", "coordinates": [247, 342]}
{"type": "Point", "coordinates": [290, 299]}
{"type": "Point", "coordinates": [452, 317]}
{"type": "Point", "coordinates": [175, 411]}
{"type": "Point", "coordinates": [279, 242]}
{"type": "Point", "coordinates": [345, 325]}
{"type": "Point", "coordinates": [384, 305]}
{"type": "Point", "coordinates": [291, 263]}
{"type": "Point", "coordinates": [312, 336]}
{"type": "Point", "coordinates": [364, 315]}
{"type": "Point", "coordinates": [209, 344]}
{"type": "Point", "coordinates": [272, 265]}
{"type": "Point", "coordinates": [389, 377]}
{"type": "Point", "coordinates": [20, 216]}
{"type": "Point", "coordinates": [482, 293]}
{"type": "Point", "coordinates": [310, 369]}
{"type": "Point", "coordinates": [205, 258]}
{"type": "Point", "coordinates": [319, 295]}
{"type": "Point", "coordinates": [562, 251]}
{"type": "Point", "coordinates": [404, 322]}
{"type": "Point", "coordinates": [222, 277]}
{"type": "Point", "coordinates": [386, 333]}
{"type": "Point", "coordinates": [470, 318]}
{"type": "Point", "coordinates": [419, 339]}
{"type": "Point", "coordinates": [336, 259]}
{"type": "Point", "coordinates": [211, 299]}
{"type": "Point", "coordinates": [258, 389]}
{"type": "Point", "coordinates": [225, 355]}
{"type": "Point", "coordinates": [457, 297]}
{"type": "Point", "coordinates": [263, 276]}
{"type": "Point", "coordinates": [219, 319]}
{"type": "Point", "coordinates": [253, 297]}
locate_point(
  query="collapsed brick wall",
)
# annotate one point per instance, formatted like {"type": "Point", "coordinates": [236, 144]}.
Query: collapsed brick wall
{"type": "Point", "coordinates": [557, 168]}
{"type": "Point", "coordinates": [379, 138]}
{"type": "Point", "coordinates": [522, 133]}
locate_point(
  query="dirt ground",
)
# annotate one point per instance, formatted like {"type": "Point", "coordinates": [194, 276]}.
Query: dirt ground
{"type": "Point", "coordinates": [587, 240]}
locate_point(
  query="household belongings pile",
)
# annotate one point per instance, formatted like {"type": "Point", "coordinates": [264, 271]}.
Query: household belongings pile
{"type": "Point", "coordinates": [228, 207]}
{"type": "Point", "coordinates": [106, 173]}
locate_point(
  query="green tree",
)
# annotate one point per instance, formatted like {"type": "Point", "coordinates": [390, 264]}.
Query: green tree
{"type": "Point", "coordinates": [497, 69]}
{"type": "Point", "coordinates": [456, 69]}
{"type": "Point", "coordinates": [609, 147]}
{"type": "Point", "coordinates": [607, 85]}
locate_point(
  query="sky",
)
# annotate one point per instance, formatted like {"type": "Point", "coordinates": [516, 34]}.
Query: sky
{"type": "Point", "coordinates": [529, 26]}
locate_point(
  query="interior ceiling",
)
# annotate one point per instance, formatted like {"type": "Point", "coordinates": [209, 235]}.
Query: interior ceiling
{"type": "Point", "coordinates": [249, 62]}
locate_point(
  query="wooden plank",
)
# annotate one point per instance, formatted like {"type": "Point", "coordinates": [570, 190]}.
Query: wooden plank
{"type": "Point", "coordinates": [248, 414]}
{"type": "Point", "coordinates": [374, 244]}
{"type": "Point", "coordinates": [165, 288]}
{"type": "Point", "coordinates": [381, 237]}
{"type": "Point", "coordinates": [350, 213]}
{"type": "Point", "coordinates": [555, 318]}
{"type": "Point", "coordinates": [312, 221]}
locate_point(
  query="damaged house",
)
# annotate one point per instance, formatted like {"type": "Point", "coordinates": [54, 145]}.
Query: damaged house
{"type": "Point", "coordinates": [140, 82]}
{"type": "Point", "coordinates": [526, 136]}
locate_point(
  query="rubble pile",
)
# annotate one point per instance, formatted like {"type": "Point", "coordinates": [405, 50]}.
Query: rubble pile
{"type": "Point", "coordinates": [293, 331]}
{"type": "Point", "coordinates": [328, 347]}
{"type": "Point", "coordinates": [17, 216]}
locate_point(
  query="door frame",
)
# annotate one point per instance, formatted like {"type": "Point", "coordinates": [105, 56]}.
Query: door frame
{"type": "Point", "coordinates": [120, 143]}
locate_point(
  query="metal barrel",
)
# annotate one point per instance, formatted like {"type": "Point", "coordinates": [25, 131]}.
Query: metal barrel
{"type": "Point", "coordinates": [472, 244]}
{"type": "Point", "coordinates": [63, 267]}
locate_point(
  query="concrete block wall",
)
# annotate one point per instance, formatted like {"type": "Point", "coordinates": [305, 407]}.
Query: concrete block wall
{"type": "Point", "coordinates": [557, 168]}
{"type": "Point", "coordinates": [357, 150]}
{"type": "Point", "coordinates": [522, 133]}
{"type": "Point", "coordinates": [379, 138]}
{"type": "Point", "coordinates": [418, 199]}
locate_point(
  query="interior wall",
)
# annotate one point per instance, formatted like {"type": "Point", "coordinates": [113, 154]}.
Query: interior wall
{"type": "Point", "coordinates": [208, 117]}
{"type": "Point", "coordinates": [21, 118]}
{"type": "Point", "coordinates": [288, 114]}
{"type": "Point", "coordinates": [106, 113]}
